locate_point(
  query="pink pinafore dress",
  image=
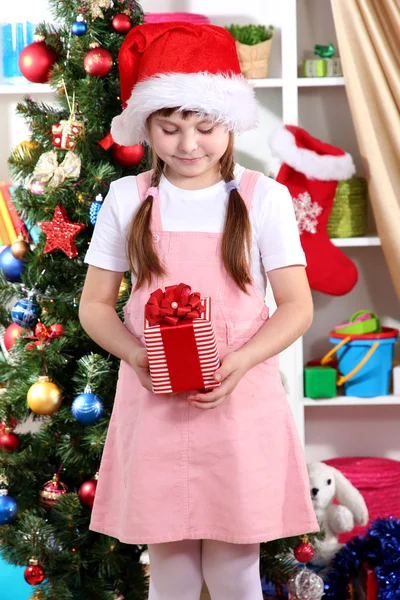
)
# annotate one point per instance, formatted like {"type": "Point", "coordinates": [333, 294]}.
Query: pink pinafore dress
{"type": "Point", "coordinates": [170, 471]}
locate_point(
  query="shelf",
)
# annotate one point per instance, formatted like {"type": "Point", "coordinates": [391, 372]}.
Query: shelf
{"type": "Point", "coordinates": [319, 81]}
{"type": "Point", "coordinates": [353, 401]}
{"type": "Point", "coordinates": [266, 83]}
{"type": "Point", "coordinates": [372, 240]}
{"type": "Point", "coordinates": [29, 88]}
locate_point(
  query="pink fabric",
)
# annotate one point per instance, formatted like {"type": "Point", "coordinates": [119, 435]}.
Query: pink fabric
{"type": "Point", "coordinates": [378, 480]}
{"type": "Point", "coordinates": [176, 16]}
{"type": "Point", "coordinates": [171, 471]}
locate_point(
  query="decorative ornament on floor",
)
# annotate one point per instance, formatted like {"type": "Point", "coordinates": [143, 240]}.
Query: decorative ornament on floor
{"type": "Point", "coordinates": [87, 408]}
{"type": "Point", "coordinates": [48, 170]}
{"type": "Point", "coordinates": [95, 209]}
{"type": "Point", "coordinates": [311, 170]}
{"type": "Point", "coordinates": [79, 26]}
{"type": "Point", "coordinates": [121, 23]}
{"type": "Point", "coordinates": [98, 62]}
{"type": "Point", "coordinates": [379, 549]}
{"type": "Point", "coordinates": [8, 506]}
{"type": "Point", "coordinates": [34, 573]}
{"type": "Point", "coordinates": [36, 60]}
{"type": "Point", "coordinates": [52, 491]}
{"type": "Point", "coordinates": [304, 584]}
{"type": "Point", "coordinates": [87, 492]}
{"type": "Point", "coordinates": [44, 397]}
{"type": "Point", "coordinates": [12, 267]}
{"type": "Point", "coordinates": [60, 233]}
{"type": "Point", "coordinates": [26, 312]}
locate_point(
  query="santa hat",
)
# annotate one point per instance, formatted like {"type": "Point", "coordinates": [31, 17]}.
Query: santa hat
{"type": "Point", "coordinates": [184, 65]}
{"type": "Point", "coordinates": [310, 156]}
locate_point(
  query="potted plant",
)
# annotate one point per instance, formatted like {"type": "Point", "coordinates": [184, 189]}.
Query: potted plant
{"type": "Point", "coordinates": [253, 44]}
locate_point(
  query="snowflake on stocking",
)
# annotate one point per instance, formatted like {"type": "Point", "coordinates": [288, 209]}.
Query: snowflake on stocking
{"type": "Point", "coordinates": [307, 212]}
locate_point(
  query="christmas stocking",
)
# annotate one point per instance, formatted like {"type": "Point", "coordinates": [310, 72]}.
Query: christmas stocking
{"type": "Point", "coordinates": [311, 170]}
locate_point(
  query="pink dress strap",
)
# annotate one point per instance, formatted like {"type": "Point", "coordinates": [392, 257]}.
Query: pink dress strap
{"type": "Point", "coordinates": [143, 183]}
{"type": "Point", "coordinates": [248, 183]}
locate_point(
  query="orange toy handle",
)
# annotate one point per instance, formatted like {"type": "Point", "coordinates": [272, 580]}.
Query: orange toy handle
{"type": "Point", "coordinates": [343, 378]}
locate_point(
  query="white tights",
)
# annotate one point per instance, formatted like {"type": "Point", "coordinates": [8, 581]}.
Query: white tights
{"type": "Point", "coordinates": [231, 571]}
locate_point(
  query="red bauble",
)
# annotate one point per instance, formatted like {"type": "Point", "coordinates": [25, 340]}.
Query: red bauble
{"type": "Point", "coordinates": [11, 335]}
{"type": "Point", "coordinates": [127, 156]}
{"type": "Point", "coordinates": [304, 552]}
{"type": "Point", "coordinates": [35, 62]}
{"type": "Point", "coordinates": [52, 491]}
{"type": "Point", "coordinates": [34, 573]}
{"type": "Point", "coordinates": [87, 491]}
{"type": "Point", "coordinates": [98, 62]}
{"type": "Point", "coordinates": [9, 441]}
{"type": "Point", "coordinates": [121, 23]}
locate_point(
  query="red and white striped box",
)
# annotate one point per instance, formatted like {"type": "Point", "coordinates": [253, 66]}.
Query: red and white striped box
{"type": "Point", "coordinates": [183, 357]}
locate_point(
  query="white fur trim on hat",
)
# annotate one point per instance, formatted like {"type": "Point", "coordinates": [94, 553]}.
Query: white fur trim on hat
{"type": "Point", "coordinates": [315, 166]}
{"type": "Point", "coordinates": [228, 99]}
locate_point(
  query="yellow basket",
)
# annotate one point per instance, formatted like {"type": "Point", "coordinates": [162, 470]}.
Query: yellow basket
{"type": "Point", "coordinates": [349, 213]}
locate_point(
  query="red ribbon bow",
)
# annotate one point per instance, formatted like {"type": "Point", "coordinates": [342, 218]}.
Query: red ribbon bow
{"type": "Point", "coordinates": [173, 305]}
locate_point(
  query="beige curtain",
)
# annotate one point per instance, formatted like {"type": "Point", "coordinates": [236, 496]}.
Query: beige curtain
{"type": "Point", "coordinates": [368, 34]}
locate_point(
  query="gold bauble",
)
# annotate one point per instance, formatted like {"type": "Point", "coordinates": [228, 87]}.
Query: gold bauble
{"type": "Point", "coordinates": [20, 248]}
{"type": "Point", "coordinates": [124, 287]}
{"type": "Point", "coordinates": [44, 397]}
{"type": "Point", "coordinates": [25, 149]}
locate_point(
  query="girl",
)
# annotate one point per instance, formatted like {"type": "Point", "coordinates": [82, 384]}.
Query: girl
{"type": "Point", "coordinates": [201, 478]}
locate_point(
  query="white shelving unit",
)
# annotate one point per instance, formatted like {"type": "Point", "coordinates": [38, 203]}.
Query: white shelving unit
{"type": "Point", "coordinates": [320, 106]}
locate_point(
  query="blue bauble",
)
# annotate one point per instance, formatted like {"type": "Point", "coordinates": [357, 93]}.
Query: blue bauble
{"type": "Point", "coordinates": [25, 312]}
{"type": "Point", "coordinates": [94, 210]}
{"type": "Point", "coordinates": [8, 509]}
{"type": "Point", "coordinates": [11, 266]}
{"type": "Point", "coordinates": [87, 408]}
{"type": "Point", "coordinates": [78, 28]}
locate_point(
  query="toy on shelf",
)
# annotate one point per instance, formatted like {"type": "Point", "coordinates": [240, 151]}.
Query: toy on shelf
{"type": "Point", "coordinates": [349, 214]}
{"type": "Point", "coordinates": [253, 46]}
{"type": "Point", "coordinates": [14, 37]}
{"type": "Point", "coordinates": [364, 351]}
{"type": "Point", "coordinates": [326, 65]}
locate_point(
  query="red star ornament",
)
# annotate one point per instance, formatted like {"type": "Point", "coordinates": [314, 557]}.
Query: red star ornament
{"type": "Point", "coordinates": [61, 232]}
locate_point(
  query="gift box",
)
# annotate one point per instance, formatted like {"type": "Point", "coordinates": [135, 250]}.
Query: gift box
{"type": "Point", "coordinates": [322, 67]}
{"type": "Point", "coordinates": [365, 586]}
{"type": "Point", "coordinates": [65, 134]}
{"type": "Point", "coordinates": [180, 340]}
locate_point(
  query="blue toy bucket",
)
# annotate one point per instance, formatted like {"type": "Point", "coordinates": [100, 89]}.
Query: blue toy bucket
{"type": "Point", "coordinates": [365, 361]}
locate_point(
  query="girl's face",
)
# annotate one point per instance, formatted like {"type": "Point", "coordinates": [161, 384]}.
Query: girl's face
{"type": "Point", "coordinates": [191, 148]}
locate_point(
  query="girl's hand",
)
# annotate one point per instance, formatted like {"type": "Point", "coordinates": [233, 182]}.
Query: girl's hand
{"type": "Point", "coordinates": [140, 364]}
{"type": "Point", "coordinates": [230, 373]}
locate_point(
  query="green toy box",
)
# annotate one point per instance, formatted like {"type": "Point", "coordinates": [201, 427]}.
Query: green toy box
{"type": "Point", "coordinates": [320, 382]}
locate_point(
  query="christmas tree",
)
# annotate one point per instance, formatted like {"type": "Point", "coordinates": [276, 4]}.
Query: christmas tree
{"type": "Point", "coordinates": [51, 370]}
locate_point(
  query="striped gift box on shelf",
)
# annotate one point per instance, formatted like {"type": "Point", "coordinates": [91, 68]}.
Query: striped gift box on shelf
{"type": "Point", "coordinates": [184, 356]}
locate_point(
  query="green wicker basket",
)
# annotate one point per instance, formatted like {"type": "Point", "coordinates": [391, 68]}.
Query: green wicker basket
{"type": "Point", "coordinates": [349, 213]}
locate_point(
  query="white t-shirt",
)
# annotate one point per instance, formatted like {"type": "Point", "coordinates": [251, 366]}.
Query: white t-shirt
{"type": "Point", "coordinates": [276, 241]}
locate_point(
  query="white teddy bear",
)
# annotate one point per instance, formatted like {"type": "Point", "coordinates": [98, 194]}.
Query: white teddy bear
{"type": "Point", "coordinates": [327, 483]}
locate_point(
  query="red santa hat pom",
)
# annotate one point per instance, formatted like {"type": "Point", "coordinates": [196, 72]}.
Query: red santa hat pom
{"type": "Point", "coordinates": [308, 155]}
{"type": "Point", "coordinates": [184, 65]}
